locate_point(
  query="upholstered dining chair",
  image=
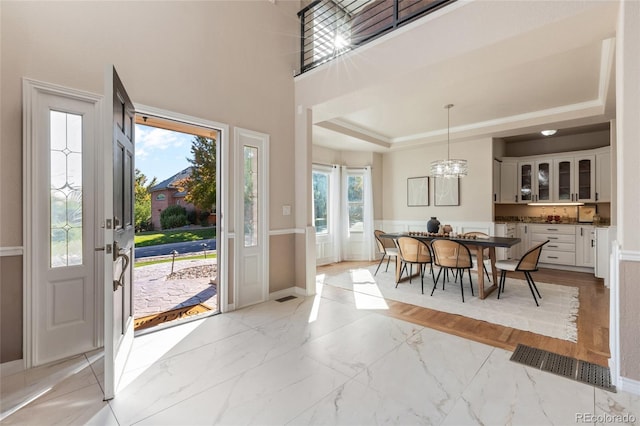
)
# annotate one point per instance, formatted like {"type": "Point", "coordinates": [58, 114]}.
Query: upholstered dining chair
{"type": "Point", "coordinates": [449, 254]}
{"type": "Point", "coordinates": [485, 251]}
{"type": "Point", "coordinates": [386, 247]}
{"type": "Point", "coordinates": [414, 252]}
{"type": "Point", "coordinates": [527, 264]}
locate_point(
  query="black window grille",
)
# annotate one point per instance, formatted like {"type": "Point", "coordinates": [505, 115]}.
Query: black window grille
{"type": "Point", "coordinates": [330, 28]}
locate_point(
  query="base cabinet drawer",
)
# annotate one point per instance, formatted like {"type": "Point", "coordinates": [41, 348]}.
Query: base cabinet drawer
{"type": "Point", "coordinates": [554, 246]}
{"type": "Point", "coordinates": [554, 238]}
{"type": "Point", "coordinates": [558, 257]}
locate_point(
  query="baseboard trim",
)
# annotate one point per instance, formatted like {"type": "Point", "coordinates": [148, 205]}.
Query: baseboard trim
{"type": "Point", "coordinates": [567, 268]}
{"type": "Point", "coordinates": [291, 291]}
{"type": "Point", "coordinates": [629, 385]}
{"type": "Point", "coordinates": [11, 367]}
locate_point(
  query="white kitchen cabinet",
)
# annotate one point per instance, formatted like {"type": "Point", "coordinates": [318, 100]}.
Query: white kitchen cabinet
{"type": "Point", "coordinates": [497, 164]}
{"type": "Point", "coordinates": [574, 178]}
{"type": "Point", "coordinates": [603, 176]}
{"type": "Point", "coordinates": [522, 232]}
{"type": "Point", "coordinates": [504, 230]}
{"type": "Point", "coordinates": [534, 181]}
{"type": "Point", "coordinates": [585, 246]}
{"type": "Point", "coordinates": [561, 249]}
{"type": "Point", "coordinates": [603, 251]}
{"type": "Point", "coordinates": [509, 181]}
{"type": "Point", "coordinates": [579, 176]}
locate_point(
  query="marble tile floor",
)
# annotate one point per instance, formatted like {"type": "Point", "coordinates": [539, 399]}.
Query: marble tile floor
{"type": "Point", "coordinates": [312, 361]}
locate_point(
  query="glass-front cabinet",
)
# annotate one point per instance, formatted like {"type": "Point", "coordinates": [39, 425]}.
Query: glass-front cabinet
{"type": "Point", "coordinates": [579, 176]}
{"type": "Point", "coordinates": [575, 179]}
{"type": "Point", "coordinates": [534, 181]}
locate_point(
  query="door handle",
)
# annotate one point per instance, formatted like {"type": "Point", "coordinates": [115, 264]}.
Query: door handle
{"type": "Point", "coordinates": [120, 253]}
{"type": "Point", "coordinates": [119, 282]}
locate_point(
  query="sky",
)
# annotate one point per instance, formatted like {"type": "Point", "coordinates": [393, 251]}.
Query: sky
{"type": "Point", "coordinates": [161, 153]}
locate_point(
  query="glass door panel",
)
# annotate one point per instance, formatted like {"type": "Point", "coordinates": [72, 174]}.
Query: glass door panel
{"type": "Point", "coordinates": [526, 182]}
{"type": "Point", "coordinates": [584, 179]}
{"type": "Point", "coordinates": [564, 180]}
{"type": "Point", "coordinates": [543, 185]}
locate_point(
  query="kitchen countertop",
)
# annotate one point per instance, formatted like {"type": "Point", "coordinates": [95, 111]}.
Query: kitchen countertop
{"type": "Point", "coordinates": [600, 225]}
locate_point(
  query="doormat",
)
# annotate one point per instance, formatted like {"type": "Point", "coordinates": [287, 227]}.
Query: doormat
{"type": "Point", "coordinates": [174, 314]}
{"type": "Point", "coordinates": [575, 369]}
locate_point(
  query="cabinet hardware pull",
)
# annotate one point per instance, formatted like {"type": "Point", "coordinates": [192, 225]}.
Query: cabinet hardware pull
{"type": "Point", "coordinates": [552, 238]}
{"type": "Point", "coordinates": [552, 257]}
{"type": "Point", "coordinates": [581, 231]}
{"type": "Point", "coordinates": [552, 246]}
{"type": "Point", "coordinates": [552, 229]}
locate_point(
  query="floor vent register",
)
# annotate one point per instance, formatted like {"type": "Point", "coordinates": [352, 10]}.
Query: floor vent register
{"type": "Point", "coordinates": [581, 371]}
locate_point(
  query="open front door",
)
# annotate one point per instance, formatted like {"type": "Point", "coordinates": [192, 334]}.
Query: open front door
{"type": "Point", "coordinates": [119, 229]}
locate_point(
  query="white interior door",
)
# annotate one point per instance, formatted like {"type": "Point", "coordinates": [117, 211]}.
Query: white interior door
{"type": "Point", "coordinates": [252, 244]}
{"type": "Point", "coordinates": [61, 132]}
{"type": "Point", "coordinates": [119, 229]}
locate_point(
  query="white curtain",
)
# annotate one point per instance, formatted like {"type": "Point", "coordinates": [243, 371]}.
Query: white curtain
{"type": "Point", "coordinates": [335, 216]}
{"type": "Point", "coordinates": [367, 216]}
{"type": "Point", "coordinates": [344, 214]}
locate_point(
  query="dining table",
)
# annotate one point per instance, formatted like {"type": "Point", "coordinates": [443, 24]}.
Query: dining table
{"type": "Point", "coordinates": [477, 244]}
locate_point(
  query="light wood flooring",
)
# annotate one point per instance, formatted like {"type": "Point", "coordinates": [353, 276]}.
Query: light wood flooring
{"type": "Point", "coordinates": [593, 316]}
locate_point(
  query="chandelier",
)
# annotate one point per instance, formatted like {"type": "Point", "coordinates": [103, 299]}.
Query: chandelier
{"type": "Point", "coordinates": [449, 168]}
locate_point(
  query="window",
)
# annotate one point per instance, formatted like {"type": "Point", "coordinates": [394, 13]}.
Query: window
{"type": "Point", "coordinates": [161, 197]}
{"type": "Point", "coordinates": [250, 196]}
{"type": "Point", "coordinates": [321, 202]}
{"type": "Point", "coordinates": [65, 189]}
{"type": "Point", "coordinates": [355, 201]}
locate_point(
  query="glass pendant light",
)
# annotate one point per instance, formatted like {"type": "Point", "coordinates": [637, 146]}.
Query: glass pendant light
{"type": "Point", "coordinates": [449, 168]}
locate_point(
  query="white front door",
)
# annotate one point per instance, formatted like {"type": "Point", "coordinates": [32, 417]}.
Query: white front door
{"type": "Point", "coordinates": [119, 158]}
{"type": "Point", "coordinates": [62, 301]}
{"type": "Point", "coordinates": [252, 229]}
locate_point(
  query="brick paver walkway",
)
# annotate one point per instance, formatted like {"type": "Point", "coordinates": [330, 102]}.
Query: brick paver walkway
{"type": "Point", "coordinates": [155, 292]}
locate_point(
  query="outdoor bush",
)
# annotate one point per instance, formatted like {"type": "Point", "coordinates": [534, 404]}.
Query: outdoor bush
{"type": "Point", "coordinates": [192, 216]}
{"type": "Point", "coordinates": [173, 217]}
{"type": "Point", "coordinates": [204, 217]}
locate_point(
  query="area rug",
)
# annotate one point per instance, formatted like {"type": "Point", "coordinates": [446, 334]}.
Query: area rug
{"type": "Point", "coordinates": [555, 317]}
{"type": "Point", "coordinates": [174, 314]}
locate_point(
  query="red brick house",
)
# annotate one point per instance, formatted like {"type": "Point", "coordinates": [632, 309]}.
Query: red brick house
{"type": "Point", "coordinates": [166, 194]}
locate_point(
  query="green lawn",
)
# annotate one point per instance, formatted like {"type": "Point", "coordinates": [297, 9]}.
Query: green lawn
{"type": "Point", "coordinates": [152, 238]}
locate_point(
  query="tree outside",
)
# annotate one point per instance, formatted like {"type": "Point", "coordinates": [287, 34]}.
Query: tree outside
{"type": "Point", "coordinates": [142, 206]}
{"type": "Point", "coordinates": [201, 185]}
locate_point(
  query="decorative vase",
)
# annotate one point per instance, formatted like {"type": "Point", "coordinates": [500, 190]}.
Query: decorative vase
{"type": "Point", "coordinates": [433, 224]}
{"type": "Point", "coordinates": [447, 229]}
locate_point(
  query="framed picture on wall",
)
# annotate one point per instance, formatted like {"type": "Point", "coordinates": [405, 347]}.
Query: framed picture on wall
{"type": "Point", "coordinates": [446, 191]}
{"type": "Point", "coordinates": [418, 191]}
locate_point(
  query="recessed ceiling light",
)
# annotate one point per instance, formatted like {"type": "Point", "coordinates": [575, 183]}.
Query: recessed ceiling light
{"type": "Point", "coordinates": [548, 132]}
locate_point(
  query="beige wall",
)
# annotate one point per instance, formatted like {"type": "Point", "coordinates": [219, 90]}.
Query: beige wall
{"type": "Point", "coordinates": [10, 308]}
{"type": "Point", "coordinates": [475, 189]}
{"type": "Point", "coordinates": [225, 61]}
{"type": "Point", "coordinates": [628, 182]}
{"type": "Point", "coordinates": [629, 320]}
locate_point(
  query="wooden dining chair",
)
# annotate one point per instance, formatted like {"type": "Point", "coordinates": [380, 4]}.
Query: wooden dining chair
{"type": "Point", "coordinates": [485, 251]}
{"type": "Point", "coordinates": [449, 254]}
{"type": "Point", "coordinates": [386, 247]}
{"type": "Point", "coordinates": [414, 252]}
{"type": "Point", "coordinates": [527, 264]}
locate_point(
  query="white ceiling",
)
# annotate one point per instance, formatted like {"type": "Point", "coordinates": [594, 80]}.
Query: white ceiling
{"type": "Point", "coordinates": [560, 75]}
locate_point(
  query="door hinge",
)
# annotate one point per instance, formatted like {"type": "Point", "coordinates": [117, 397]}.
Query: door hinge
{"type": "Point", "coordinates": [109, 224]}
